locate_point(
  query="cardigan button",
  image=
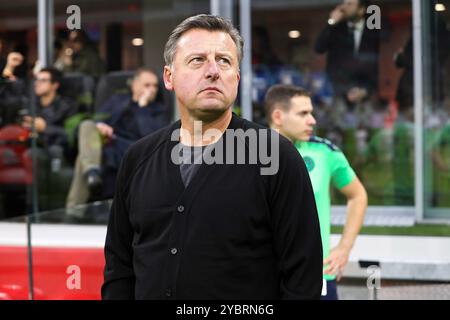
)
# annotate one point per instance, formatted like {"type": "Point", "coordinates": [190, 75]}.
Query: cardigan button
{"type": "Point", "coordinates": [180, 209]}
{"type": "Point", "coordinates": [174, 251]}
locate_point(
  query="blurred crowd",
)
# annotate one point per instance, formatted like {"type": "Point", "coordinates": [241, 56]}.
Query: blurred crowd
{"type": "Point", "coordinates": [82, 120]}
{"type": "Point", "coordinates": [374, 131]}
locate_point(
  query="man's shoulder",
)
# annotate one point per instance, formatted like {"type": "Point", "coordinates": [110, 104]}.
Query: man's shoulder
{"type": "Point", "coordinates": [146, 146]}
{"type": "Point", "coordinates": [64, 102]}
{"type": "Point", "coordinates": [323, 144]}
{"type": "Point", "coordinates": [245, 124]}
{"type": "Point", "coordinates": [120, 97]}
{"type": "Point", "coordinates": [271, 134]}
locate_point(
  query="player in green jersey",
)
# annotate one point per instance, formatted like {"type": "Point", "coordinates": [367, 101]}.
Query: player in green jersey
{"type": "Point", "coordinates": [289, 110]}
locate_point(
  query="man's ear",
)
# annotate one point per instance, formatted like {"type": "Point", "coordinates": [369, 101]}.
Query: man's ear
{"type": "Point", "coordinates": [277, 116]}
{"type": "Point", "coordinates": [167, 77]}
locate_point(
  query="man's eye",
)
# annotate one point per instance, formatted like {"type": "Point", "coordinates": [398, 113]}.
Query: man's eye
{"type": "Point", "coordinates": [196, 60]}
{"type": "Point", "coordinates": [224, 61]}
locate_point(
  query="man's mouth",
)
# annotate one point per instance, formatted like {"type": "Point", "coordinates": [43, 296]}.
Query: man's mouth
{"type": "Point", "coordinates": [212, 89]}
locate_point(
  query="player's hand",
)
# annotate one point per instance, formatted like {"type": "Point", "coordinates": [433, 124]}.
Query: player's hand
{"type": "Point", "coordinates": [105, 130]}
{"type": "Point", "coordinates": [337, 261]}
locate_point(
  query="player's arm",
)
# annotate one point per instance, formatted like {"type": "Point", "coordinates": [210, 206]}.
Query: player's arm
{"type": "Point", "coordinates": [356, 207]}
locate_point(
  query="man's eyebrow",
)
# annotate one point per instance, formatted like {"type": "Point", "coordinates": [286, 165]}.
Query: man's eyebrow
{"type": "Point", "coordinates": [225, 53]}
{"type": "Point", "coordinates": [193, 54]}
{"type": "Point", "coordinates": [203, 53]}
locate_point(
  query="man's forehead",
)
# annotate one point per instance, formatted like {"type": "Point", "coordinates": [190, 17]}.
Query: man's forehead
{"type": "Point", "coordinates": [44, 73]}
{"type": "Point", "coordinates": [146, 76]}
{"type": "Point", "coordinates": [302, 102]}
{"type": "Point", "coordinates": [350, 2]}
{"type": "Point", "coordinates": [200, 39]}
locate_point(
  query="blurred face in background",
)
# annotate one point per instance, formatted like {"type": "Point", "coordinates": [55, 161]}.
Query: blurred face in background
{"type": "Point", "coordinates": [43, 84]}
{"type": "Point", "coordinates": [297, 123]}
{"type": "Point", "coordinates": [75, 41]}
{"type": "Point", "coordinates": [352, 9]}
{"type": "Point", "coordinates": [146, 83]}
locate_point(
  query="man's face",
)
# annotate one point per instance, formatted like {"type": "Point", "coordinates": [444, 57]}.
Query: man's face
{"type": "Point", "coordinates": [43, 84]}
{"type": "Point", "coordinates": [204, 74]}
{"type": "Point", "coordinates": [298, 122]}
{"type": "Point", "coordinates": [145, 83]}
{"type": "Point", "coordinates": [352, 9]}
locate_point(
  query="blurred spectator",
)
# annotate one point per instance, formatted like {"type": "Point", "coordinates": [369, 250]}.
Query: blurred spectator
{"type": "Point", "coordinates": [262, 52]}
{"type": "Point", "coordinates": [441, 141]}
{"type": "Point", "coordinates": [102, 144]}
{"type": "Point", "coordinates": [353, 51]}
{"type": "Point", "coordinates": [438, 45]}
{"type": "Point", "coordinates": [10, 66]}
{"type": "Point", "coordinates": [13, 101]}
{"type": "Point", "coordinates": [394, 149]}
{"type": "Point", "coordinates": [83, 56]}
{"type": "Point", "coordinates": [60, 54]}
{"type": "Point", "coordinates": [52, 110]}
{"type": "Point", "coordinates": [13, 63]}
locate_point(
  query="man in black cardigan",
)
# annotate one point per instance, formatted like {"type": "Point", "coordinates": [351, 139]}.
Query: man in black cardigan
{"type": "Point", "coordinates": [211, 230]}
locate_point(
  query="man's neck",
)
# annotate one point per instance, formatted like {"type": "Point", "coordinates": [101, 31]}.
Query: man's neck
{"type": "Point", "coordinates": [193, 130]}
{"type": "Point", "coordinates": [277, 129]}
{"type": "Point", "coordinates": [47, 99]}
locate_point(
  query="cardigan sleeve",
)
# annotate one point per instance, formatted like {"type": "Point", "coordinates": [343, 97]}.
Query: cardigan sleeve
{"type": "Point", "coordinates": [119, 277]}
{"type": "Point", "coordinates": [295, 224]}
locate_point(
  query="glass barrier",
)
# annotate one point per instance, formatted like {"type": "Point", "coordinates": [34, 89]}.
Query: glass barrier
{"type": "Point", "coordinates": [436, 52]}
{"type": "Point", "coordinates": [360, 83]}
{"type": "Point", "coordinates": [67, 253]}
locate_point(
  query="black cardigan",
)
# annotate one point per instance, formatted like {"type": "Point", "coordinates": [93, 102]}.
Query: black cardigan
{"type": "Point", "coordinates": [231, 234]}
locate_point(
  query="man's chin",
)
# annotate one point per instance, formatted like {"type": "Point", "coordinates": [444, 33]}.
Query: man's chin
{"type": "Point", "coordinates": [209, 113]}
{"type": "Point", "coordinates": [304, 138]}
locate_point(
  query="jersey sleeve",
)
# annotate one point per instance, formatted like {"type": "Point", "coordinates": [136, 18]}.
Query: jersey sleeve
{"type": "Point", "coordinates": [341, 171]}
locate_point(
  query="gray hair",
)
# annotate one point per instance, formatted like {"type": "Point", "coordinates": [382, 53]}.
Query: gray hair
{"type": "Point", "coordinates": [204, 22]}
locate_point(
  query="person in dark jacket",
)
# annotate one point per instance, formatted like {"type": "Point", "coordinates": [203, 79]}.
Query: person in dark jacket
{"type": "Point", "coordinates": [52, 110]}
{"type": "Point", "coordinates": [85, 57]}
{"type": "Point", "coordinates": [240, 229]}
{"type": "Point", "coordinates": [122, 120]}
{"type": "Point", "coordinates": [353, 51]}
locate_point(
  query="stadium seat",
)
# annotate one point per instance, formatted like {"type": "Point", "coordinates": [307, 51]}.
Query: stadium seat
{"type": "Point", "coordinates": [112, 83]}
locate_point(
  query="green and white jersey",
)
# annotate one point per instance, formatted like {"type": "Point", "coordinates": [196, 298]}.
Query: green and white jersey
{"type": "Point", "coordinates": [326, 164]}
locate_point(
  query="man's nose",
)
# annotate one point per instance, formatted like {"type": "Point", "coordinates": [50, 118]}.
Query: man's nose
{"type": "Point", "coordinates": [212, 71]}
{"type": "Point", "coordinates": [312, 120]}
